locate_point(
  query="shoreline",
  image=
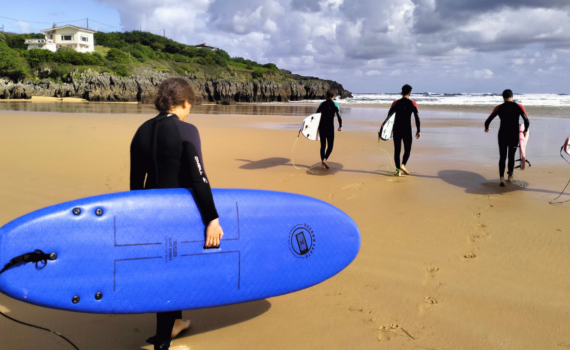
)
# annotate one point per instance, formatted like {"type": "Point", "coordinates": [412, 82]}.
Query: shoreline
{"type": "Point", "coordinates": [52, 104]}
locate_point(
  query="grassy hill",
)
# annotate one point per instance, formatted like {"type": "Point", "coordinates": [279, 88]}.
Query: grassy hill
{"type": "Point", "coordinates": [125, 54]}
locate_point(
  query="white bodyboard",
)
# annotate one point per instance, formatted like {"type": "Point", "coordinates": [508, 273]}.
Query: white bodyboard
{"type": "Point", "coordinates": [387, 127]}
{"type": "Point", "coordinates": [310, 127]}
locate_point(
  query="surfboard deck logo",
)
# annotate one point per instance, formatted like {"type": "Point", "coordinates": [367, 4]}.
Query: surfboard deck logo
{"type": "Point", "coordinates": [302, 241]}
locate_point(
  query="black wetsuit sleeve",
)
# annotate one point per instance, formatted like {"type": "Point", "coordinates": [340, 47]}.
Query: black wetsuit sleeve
{"type": "Point", "coordinates": [491, 117]}
{"type": "Point", "coordinates": [339, 117]}
{"type": "Point", "coordinates": [200, 183]}
{"type": "Point", "coordinates": [417, 117]}
{"type": "Point", "coordinates": [319, 110]}
{"type": "Point", "coordinates": [138, 171]}
{"type": "Point", "coordinates": [525, 118]}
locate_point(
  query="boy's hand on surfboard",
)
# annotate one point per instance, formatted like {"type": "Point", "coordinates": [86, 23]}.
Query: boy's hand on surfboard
{"type": "Point", "coordinates": [525, 133]}
{"type": "Point", "coordinates": [487, 130]}
{"type": "Point", "coordinates": [339, 129]}
{"type": "Point", "coordinates": [418, 135]}
{"type": "Point", "coordinates": [214, 234]}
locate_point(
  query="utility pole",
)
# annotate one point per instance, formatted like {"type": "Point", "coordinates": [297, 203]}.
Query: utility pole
{"type": "Point", "coordinates": [2, 28]}
{"type": "Point", "coordinates": [87, 23]}
{"type": "Point", "coordinates": [164, 33]}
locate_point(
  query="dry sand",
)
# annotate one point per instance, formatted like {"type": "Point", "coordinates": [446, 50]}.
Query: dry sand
{"type": "Point", "coordinates": [449, 260]}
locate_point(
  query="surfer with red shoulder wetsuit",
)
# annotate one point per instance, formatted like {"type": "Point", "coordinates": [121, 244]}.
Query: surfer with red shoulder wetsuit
{"type": "Point", "coordinates": [509, 113]}
{"type": "Point", "coordinates": [328, 110]}
{"type": "Point", "coordinates": [167, 153]}
{"type": "Point", "coordinates": [402, 130]}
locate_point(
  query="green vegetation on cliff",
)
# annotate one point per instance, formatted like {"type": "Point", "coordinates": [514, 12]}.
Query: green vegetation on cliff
{"type": "Point", "coordinates": [125, 54]}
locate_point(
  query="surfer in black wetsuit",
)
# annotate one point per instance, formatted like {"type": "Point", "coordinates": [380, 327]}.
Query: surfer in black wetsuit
{"type": "Point", "coordinates": [509, 113]}
{"type": "Point", "coordinates": [402, 130]}
{"type": "Point", "coordinates": [328, 110]}
{"type": "Point", "coordinates": [167, 152]}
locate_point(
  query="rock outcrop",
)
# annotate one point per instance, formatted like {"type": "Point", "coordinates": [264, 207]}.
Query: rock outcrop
{"type": "Point", "coordinates": [104, 87]}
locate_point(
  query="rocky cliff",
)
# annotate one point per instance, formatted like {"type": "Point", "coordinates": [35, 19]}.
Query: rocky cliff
{"type": "Point", "coordinates": [103, 87]}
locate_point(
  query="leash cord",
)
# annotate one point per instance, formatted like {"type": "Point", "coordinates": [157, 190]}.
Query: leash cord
{"type": "Point", "coordinates": [43, 329]}
{"type": "Point", "coordinates": [389, 157]}
{"type": "Point", "coordinates": [565, 187]}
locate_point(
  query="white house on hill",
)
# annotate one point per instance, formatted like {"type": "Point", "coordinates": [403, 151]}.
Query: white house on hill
{"type": "Point", "coordinates": [78, 38]}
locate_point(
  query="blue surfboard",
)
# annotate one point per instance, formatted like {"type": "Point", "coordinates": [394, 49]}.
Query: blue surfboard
{"type": "Point", "coordinates": [143, 251]}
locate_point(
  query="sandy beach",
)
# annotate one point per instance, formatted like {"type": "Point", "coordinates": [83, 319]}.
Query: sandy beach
{"type": "Point", "coordinates": [449, 260]}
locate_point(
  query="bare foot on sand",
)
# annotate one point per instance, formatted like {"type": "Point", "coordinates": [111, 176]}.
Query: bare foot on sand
{"type": "Point", "coordinates": [180, 326]}
{"type": "Point", "coordinates": [325, 165]}
{"type": "Point", "coordinates": [404, 170]}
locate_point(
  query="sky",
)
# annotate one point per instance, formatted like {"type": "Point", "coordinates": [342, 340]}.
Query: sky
{"type": "Point", "coordinates": [369, 46]}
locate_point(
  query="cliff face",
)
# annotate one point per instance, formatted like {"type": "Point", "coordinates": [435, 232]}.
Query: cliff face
{"type": "Point", "coordinates": [103, 87]}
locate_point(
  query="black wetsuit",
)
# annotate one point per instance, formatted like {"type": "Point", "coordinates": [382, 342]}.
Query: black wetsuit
{"type": "Point", "coordinates": [402, 130]}
{"type": "Point", "coordinates": [328, 110]}
{"type": "Point", "coordinates": [167, 152]}
{"type": "Point", "coordinates": [509, 113]}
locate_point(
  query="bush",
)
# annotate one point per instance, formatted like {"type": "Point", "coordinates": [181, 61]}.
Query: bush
{"type": "Point", "coordinates": [256, 75]}
{"type": "Point", "coordinates": [11, 64]}
{"type": "Point", "coordinates": [64, 49]}
{"type": "Point", "coordinates": [37, 56]}
{"type": "Point", "coordinates": [118, 56]}
{"type": "Point", "coordinates": [121, 71]}
{"type": "Point", "coordinates": [180, 70]}
{"type": "Point", "coordinates": [2, 38]}
{"type": "Point", "coordinates": [271, 66]}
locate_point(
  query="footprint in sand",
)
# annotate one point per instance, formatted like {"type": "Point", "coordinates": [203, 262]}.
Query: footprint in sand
{"type": "Point", "coordinates": [470, 256]}
{"type": "Point", "coordinates": [430, 300]}
{"type": "Point", "coordinates": [431, 271]}
{"type": "Point", "coordinates": [477, 215]}
{"type": "Point", "coordinates": [388, 332]}
{"type": "Point", "coordinates": [490, 205]}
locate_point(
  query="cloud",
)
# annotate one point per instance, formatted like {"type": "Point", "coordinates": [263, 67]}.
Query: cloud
{"type": "Point", "coordinates": [483, 74]}
{"type": "Point", "coordinates": [438, 41]}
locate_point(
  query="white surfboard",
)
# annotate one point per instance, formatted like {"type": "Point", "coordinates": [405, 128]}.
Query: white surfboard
{"type": "Point", "coordinates": [387, 127]}
{"type": "Point", "coordinates": [310, 127]}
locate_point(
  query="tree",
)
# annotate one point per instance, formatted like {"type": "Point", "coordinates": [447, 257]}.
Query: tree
{"type": "Point", "coordinates": [11, 64]}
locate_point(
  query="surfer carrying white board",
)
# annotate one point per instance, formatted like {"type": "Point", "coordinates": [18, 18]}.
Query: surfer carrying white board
{"type": "Point", "coordinates": [167, 153]}
{"type": "Point", "coordinates": [402, 130]}
{"type": "Point", "coordinates": [328, 110]}
{"type": "Point", "coordinates": [509, 113]}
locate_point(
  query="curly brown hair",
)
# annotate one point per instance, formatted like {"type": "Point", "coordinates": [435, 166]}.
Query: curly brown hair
{"type": "Point", "coordinates": [173, 92]}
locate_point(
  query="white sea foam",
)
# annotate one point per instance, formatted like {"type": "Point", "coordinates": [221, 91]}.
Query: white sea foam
{"type": "Point", "coordinates": [464, 99]}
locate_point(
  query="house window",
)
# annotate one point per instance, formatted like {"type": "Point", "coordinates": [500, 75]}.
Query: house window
{"type": "Point", "coordinates": [66, 37]}
{"type": "Point", "coordinates": [40, 46]}
{"type": "Point", "coordinates": [50, 36]}
{"type": "Point", "coordinates": [84, 38]}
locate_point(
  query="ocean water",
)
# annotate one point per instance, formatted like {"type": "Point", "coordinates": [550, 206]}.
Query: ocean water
{"type": "Point", "coordinates": [460, 99]}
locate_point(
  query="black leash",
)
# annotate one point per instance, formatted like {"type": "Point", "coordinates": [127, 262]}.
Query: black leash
{"type": "Point", "coordinates": [40, 259]}
{"type": "Point", "coordinates": [564, 190]}
{"type": "Point", "coordinates": [36, 257]}
{"type": "Point", "coordinates": [43, 329]}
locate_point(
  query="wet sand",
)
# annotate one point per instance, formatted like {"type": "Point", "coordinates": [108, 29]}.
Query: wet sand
{"type": "Point", "coordinates": [449, 260]}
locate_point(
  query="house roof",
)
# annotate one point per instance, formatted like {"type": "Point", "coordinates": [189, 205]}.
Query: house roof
{"type": "Point", "coordinates": [69, 25]}
{"type": "Point", "coordinates": [206, 46]}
